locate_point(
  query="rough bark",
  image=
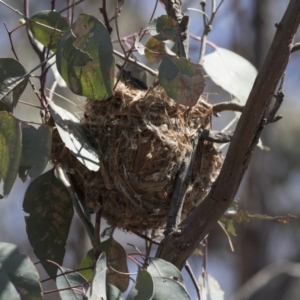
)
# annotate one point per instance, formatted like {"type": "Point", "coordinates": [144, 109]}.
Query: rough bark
{"type": "Point", "coordinates": [177, 248]}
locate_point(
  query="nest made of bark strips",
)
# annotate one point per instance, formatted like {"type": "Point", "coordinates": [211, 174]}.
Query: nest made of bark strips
{"type": "Point", "coordinates": [142, 138]}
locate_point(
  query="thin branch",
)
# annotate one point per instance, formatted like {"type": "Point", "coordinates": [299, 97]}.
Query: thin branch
{"type": "Point", "coordinates": [182, 182]}
{"type": "Point", "coordinates": [177, 248]}
{"type": "Point", "coordinates": [296, 47]}
{"type": "Point", "coordinates": [216, 136]}
{"type": "Point", "coordinates": [141, 65]}
{"type": "Point", "coordinates": [228, 106]}
{"type": "Point", "coordinates": [194, 279]}
{"type": "Point", "coordinates": [207, 27]}
{"type": "Point", "coordinates": [105, 17]}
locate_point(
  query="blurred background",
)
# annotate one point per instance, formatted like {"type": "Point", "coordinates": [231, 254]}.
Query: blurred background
{"type": "Point", "coordinates": [271, 185]}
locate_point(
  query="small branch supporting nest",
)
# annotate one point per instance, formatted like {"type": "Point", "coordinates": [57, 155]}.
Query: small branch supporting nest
{"type": "Point", "coordinates": [176, 249]}
{"type": "Point", "coordinates": [182, 182]}
{"type": "Point", "coordinates": [216, 136]}
{"type": "Point", "coordinates": [231, 105]}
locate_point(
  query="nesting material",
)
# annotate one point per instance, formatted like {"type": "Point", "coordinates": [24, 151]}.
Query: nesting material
{"type": "Point", "coordinates": [142, 137]}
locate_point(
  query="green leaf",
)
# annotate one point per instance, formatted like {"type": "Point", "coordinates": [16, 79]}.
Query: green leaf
{"type": "Point", "coordinates": [182, 80]}
{"type": "Point", "coordinates": [85, 58]}
{"type": "Point", "coordinates": [166, 288]}
{"type": "Point", "coordinates": [18, 276]}
{"type": "Point", "coordinates": [48, 27]}
{"type": "Point", "coordinates": [69, 280]}
{"type": "Point", "coordinates": [143, 288]}
{"type": "Point", "coordinates": [10, 149]}
{"type": "Point", "coordinates": [163, 28]}
{"type": "Point", "coordinates": [155, 49]}
{"type": "Point", "coordinates": [12, 83]}
{"type": "Point", "coordinates": [113, 293]}
{"type": "Point", "coordinates": [73, 135]}
{"type": "Point", "coordinates": [51, 211]}
{"type": "Point", "coordinates": [97, 289]}
{"type": "Point", "coordinates": [116, 256]}
{"type": "Point", "coordinates": [231, 72]}
{"type": "Point", "coordinates": [161, 268]}
{"type": "Point", "coordinates": [230, 227]}
{"type": "Point", "coordinates": [88, 261]}
{"type": "Point", "coordinates": [36, 148]}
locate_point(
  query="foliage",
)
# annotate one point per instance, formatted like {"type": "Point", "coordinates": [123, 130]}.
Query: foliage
{"type": "Point", "coordinates": [85, 59]}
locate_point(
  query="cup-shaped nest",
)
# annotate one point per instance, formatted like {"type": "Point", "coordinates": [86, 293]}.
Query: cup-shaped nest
{"type": "Point", "coordinates": [142, 138]}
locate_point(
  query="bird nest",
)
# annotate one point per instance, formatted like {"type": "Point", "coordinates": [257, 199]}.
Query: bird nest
{"type": "Point", "coordinates": [142, 138]}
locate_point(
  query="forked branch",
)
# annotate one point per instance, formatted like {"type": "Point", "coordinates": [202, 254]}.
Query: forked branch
{"type": "Point", "coordinates": [177, 248]}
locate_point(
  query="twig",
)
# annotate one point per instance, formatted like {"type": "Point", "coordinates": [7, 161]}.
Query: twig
{"type": "Point", "coordinates": [73, 4]}
{"type": "Point", "coordinates": [182, 182]}
{"type": "Point", "coordinates": [216, 136]}
{"type": "Point", "coordinates": [231, 106]}
{"type": "Point", "coordinates": [88, 226]}
{"type": "Point", "coordinates": [207, 27]}
{"type": "Point", "coordinates": [296, 47]}
{"type": "Point", "coordinates": [105, 17]}
{"type": "Point", "coordinates": [117, 28]}
{"type": "Point", "coordinates": [149, 70]}
{"type": "Point", "coordinates": [194, 279]}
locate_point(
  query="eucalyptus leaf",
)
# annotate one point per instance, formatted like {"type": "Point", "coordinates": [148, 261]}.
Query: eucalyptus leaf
{"type": "Point", "coordinates": [19, 278]}
{"type": "Point", "coordinates": [97, 290]}
{"type": "Point", "coordinates": [143, 288]}
{"type": "Point", "coordinates": [13, 81]}
{"type": "Point", "coordinates": [66, 279]}
{"type": "Point", "coordinates": [88, 261]}
{"type": "Point", "coordinates": [113, 293]}
{"type": "Point", "coordinates": [11, 149]}
{"type": "Point", "coordinates": [50, 209]}
{"type": "Point", "coordinates": [166, 288]}
{"type": "Point", "coordinates": [231, 72]}
{"type": "Point", "coordinates": [211, 289]}
{"type": "Point", "coordinates": [85, 58]}
{"type": "Point", "coordinates": [36, 148]}
{"type": "Point", "coordinates": [48, 27]}
{"type": "Point", "coordinates": [160, 268]}
{"type": "Point", "coordinates": [116, 255]}
{"type": "Point", "coordinates": [182, 80]}
{"type": "Point", "coordinates": [74, 137]}
{"type": "Point", "coordinates": [163, 28]}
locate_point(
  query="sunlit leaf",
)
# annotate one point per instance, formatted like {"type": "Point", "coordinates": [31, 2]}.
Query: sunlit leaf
{"type": "Point", "coordinates": [85, 59]}
{"type": "Point", "coordinates": [155, 49]}
{"type": "Point", "coordinates": [10, 149]}
{"type": "Point", "coordinates": [113, 293]}
{"type": "Point", "coordinates": [48, 27]}
{"type": "Point", "coordinates": [69, 280]}
{"type": "Point", "coordinates": [160, 268]}
{"type": "Point", "coordinates": [166, 288]}
{"type": "Point", "coordinates": [74, 137]}
{"type": "Point", "coordinates": [12, 83]}
{"type": "Point", "coordinates": [116, 256]}
{"type": "Point", "coordinates": [211, 289]}
{"type": "Point", "coordinates": [88, 261]}
{"type": "Point", "coordinates": [163, 28]}
{"type": "Point", "coordinates": [182, 80]}
{"type": "Point", "coordinates": [50, 209]}
{"type": "Point", "coordinates": [230, 71]}
{"type": "Point", "coordinates": [97, 289]}
{"type": "Point", "coordinates": [18, 276]}
{"type": "Point", "coordinates": [143, 288]}
{"type": "Point", "coordinates": [36, 148]}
